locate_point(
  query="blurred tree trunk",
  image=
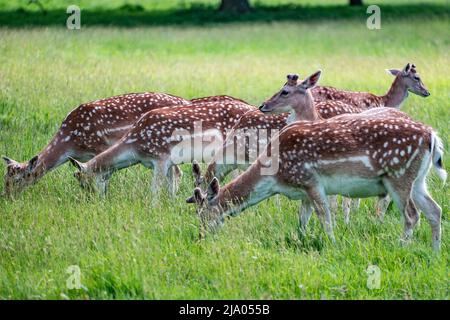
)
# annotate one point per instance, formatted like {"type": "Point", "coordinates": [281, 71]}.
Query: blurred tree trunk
{"type": "Point", "coordinates": [356, 2]}
{"type": "Point", "coordinates": [235, 5]}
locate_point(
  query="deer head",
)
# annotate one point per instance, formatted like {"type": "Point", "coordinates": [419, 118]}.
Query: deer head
{"type": "Point", "coordinates": [208, 208]}
{"type": "Point", "coordinates": [88, 179]}
{"type": "Point", "coordinates": [410, 79]}
{"type": "Point", "coordinates": [293, 96]}
{"type": "Point", "coordinates": [19, 175]}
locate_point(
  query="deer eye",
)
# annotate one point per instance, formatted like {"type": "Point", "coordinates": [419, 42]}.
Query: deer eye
{"type": "Point", "coordinates": [416, 78]}
{"type": "Point", "coordinates": [284, 93]}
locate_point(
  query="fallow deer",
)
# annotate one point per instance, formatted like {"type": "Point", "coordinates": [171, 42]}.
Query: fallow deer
{"type": "Point", "coordinates": [328, 102]}
{"type": "Point", "coordinates": [156, 138]}
{"type": "Point", "coordinates": [353, 157]}
{"type": "Point", "coordinates": [86, 131]}
{"type": "Point", "coordinates": [406, 80]}
{"type": "Point", "coordinates": [297, 99]}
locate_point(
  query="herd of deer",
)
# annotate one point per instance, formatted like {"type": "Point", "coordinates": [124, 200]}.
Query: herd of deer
{"type": "Point", "coordinates": [329, 142]}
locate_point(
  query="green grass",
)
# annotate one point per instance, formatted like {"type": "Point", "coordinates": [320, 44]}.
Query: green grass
{"type": "Point", "coordinates": [128, 249]}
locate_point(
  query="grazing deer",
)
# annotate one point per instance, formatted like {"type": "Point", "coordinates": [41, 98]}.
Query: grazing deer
{"type": "Point", "coordinates": [353, 157]}
{"type": "Point", "coordinates": [160, 136]}
{"type": "Point", "coordinates": [86, 131]}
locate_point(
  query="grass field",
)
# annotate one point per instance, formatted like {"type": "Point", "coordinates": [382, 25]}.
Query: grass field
{"type": "Point", "coordinates": [128, 249]}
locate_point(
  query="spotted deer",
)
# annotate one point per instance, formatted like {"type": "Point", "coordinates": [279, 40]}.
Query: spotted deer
{"type": "Point", "coordinates": [328, 102]}
{"type": "Point", "coordinates": [353, 157]}
{"type": "Point", "coordinates": [405, 81]}
{"type": "Point", "coordinates": [293, 107]}
{"type": "Point", "coordinates": [86, 131]}
{"type": "Point", "coordinates": [297, 99]}
{"type": "Point", "coordinates": [160, 136]}
{"type": "Point", "coordinates": [90, 129]}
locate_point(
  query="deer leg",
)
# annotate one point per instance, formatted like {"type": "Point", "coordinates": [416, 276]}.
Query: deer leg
{"type": "Point", "coordinates": [172, 180]}
{"type": "Point", "coordinates": [354, 206]}
{"type": "Point", "coordinates": [411, 218]}
{"type": "Point", "coordinates": [177, 175]}
{"type": "Point", "coordinates": [431, 210]}
{"type": "Point", "coordinates": [102, 184]}
{"type": "Point", "coordinates": [305, 212]}
{"type": "Point", "coordinates": [333, 203]}
{"type": "Point", "coordinates": [400, 192]}
{"type": "Point", "coordinates": [381, 207]}
{"type": "Point", "coordinates": [349, 206]}
{"type": "Point", "coordinates": [334, 206]}
{"type": "Point", "coordinates": [346, 203]}
{"type": "Point", "coordinates": [159, 176]}
{"type": "Point", "coordinates": [320, 201]}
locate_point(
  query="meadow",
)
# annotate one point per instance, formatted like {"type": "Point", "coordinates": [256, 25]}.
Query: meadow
{"type": "Point", "coordinates": [128, 249]}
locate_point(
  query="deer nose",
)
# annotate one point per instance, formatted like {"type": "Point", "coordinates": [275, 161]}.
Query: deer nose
{"type": "Point", "coordinates": [427, 93]}
{"type": "Point", "coordinates": [261, 107]}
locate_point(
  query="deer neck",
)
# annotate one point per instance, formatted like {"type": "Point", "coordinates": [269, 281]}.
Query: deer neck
{"type": "Point", "coordinates": [304, 110]}
{"type": "Point", "coordinates": [49, 158]}
{"type": "Point", "coordinates": [246, 190]}
{"type": "Point", "coordinates": [117, 157]}
{"type": "Point", "coordinates": [396, 95]}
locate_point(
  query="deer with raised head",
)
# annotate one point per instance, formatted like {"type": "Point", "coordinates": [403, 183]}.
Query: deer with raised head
{"type": "Point", "coordinates": [327, 101]}
{"type": "Point", "coordinates": [406, 80]}
{"type": "Point", "coordinates": [158, 138]}
{"type": "Point", "coordinates": [86, 131]}
{"type": "Point", "coordinates": [353, 157]}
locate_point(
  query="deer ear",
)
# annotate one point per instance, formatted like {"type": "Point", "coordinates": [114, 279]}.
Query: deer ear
{"type": "Point", "coordinates": [312, 80]}
{"type": "Point", "coordinates": [8, 161]}
{"type": "Point", "coordinates": [213, 189]}
{"type": "Point", "coordinates": [32, 163]}
{"type": "Point", "coordinates": [77, 164]}
{"type": "Point", "coordinates": [196, 171]}
{"type": "Point", "coordinates": [407, 69]}
{"type": "Point", "coordinates": [394, 72]}
{"type": "Point", "coordinates": [196, 168]}
{"type": "Point", "coordinates": [197, 197]}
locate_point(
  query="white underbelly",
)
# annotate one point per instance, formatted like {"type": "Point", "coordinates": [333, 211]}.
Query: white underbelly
{"type": "Point", "coordinates": [353, 187]}
{"type": "Point", "coordinates": [291, 192]}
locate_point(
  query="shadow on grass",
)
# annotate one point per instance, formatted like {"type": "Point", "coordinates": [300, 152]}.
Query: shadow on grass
{"type": "Point", "coordinates": [136, 15]}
